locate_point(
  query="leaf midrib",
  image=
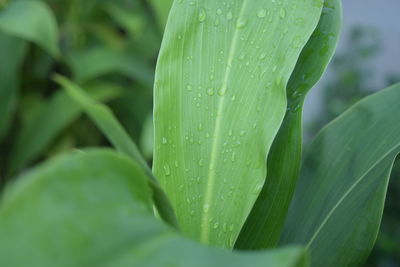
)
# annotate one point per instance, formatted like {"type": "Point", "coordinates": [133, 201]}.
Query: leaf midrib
{"type": "Point", "coordinates": [341, 200]}
{"type": "Point", "coordinates": [205, 230]}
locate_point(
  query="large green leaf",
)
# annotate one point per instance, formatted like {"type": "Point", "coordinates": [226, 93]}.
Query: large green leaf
{"type": "Point", "coordinates": [338, 204]}
{"type": "Point", "coordinates": [265, 222]}
{"type": "Point", "coordinates": [116, 134]}
{"type": "Point", "coordinates": [56, 115]}
{"type": "Point", "coordinates": [94, 209]}
{"type": "Point", "coordinates": [219, 100]}
{"type": "Point", "coordinates": [33, 21]}
{"type": "Point", "coordinates": [12, 52]}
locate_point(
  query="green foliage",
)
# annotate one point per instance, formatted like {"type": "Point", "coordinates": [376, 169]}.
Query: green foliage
{"type": "Point", "coordinates": [230, 83]}
{"type": "Point", "coordinates": [351, 79]}
{"type": "Point", "coordinates": [274, 199]}
{"type": "Point", "coordinates": [205, 81]}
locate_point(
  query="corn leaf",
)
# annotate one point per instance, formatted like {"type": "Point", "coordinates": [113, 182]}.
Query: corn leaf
{"type": "Point", "coordinates": [92, 63]}
{"type": "Point", "coordinates": [94, 209]}
{"type": "Point", "coordinates": [264, 225]}
{"type": "Point", "coordinates": [219, 101]}
{"type": "Point", "coordinates": [59, 112]}
{"type": "Point", "coordinates": [116, 134]}
{"type": "Point", "coordinates": [32, 21]}
{"type": "Point", "coordinates": [338, 204]}
{"type": "Point", "coordinates": [12, 52]}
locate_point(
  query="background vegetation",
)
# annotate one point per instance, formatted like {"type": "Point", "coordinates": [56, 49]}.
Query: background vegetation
{"type": "Point", "coordinates": [110, 47]}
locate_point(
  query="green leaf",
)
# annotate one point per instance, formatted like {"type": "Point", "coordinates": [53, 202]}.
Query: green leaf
{"type": "Point", "coordinates": [338, 204]}
{"type": "Point", "coordinates": [116, 134]}
{"type": "Point", "coordinates": [32, 21]}
{"type": "Point", "coordinates": [265, 222]}
{"type": "Point", "coordinates": [94, 209]}
{"type": "Point", "coordinates": [59, 112]}
{"type": "Point", "coordinates": [219, 101]}
{"type": "Point", "coordinates": [88, 65]}
{"type": "Point", "coordinates": [12, 52]}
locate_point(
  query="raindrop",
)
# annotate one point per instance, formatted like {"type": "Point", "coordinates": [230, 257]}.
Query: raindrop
{"type": "Point", "coordinates": [167, 169]}
{"type": "Point", "coordinates": [219, 11]}
{"type": "Point", "coordinates": [202, 14]}
{"type": "Point", "coordinates": [189, 87]}
{"type": "Point", "coordinates": [297, 42]}
{"type": "Point", "coordinates": [222, 91]}
{"type": "Point", "coordinates": [164, 140]}
{"type": "Point", "coordinates": [282, 13]}
{"type": "Point", "coordinates": [201, 161]}
{"type": "Point", "coordinates": [216, 224]}
{"type": "Point", "coordinates": [210, 91]}
{"type": "Point", "coordinates": [261, 13]}
{"type": "Point", "coordinates": [262, 56]}
{"type": "Point", "coordinates": [233, 158]}
{"type": "Point", "coordinates": [241, 22]}
{"type": "Point", "coordinates": [242, 132]}
{"type": "Point", "coordinates": [206, 208]}
{"type": "Point", "coordinates": [274, 68]}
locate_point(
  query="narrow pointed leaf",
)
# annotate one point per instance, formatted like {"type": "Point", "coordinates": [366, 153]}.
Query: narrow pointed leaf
{"type": "Point", "coordinates": [94, 209]}
{"type": "Point", "coordinates": [219, 100]}
{"type": "Point", "coordinates": [95, 62]}
{"type": "Point", "coordinates": [116, 134]}
{"type": "Point", "coordinates": [12, 52]}
{"type": "Point", "coordinates": [264, 225]}
{"type": "Point", "coordinates": [32, 21]}
{"type": "Point", "coordinates": [338, 204]}
{"type": "Point", "coordinates": [59, 112]}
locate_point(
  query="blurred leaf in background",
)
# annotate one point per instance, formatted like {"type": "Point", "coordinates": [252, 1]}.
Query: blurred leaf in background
{"type": "Point", "coordinates": [110, 48]}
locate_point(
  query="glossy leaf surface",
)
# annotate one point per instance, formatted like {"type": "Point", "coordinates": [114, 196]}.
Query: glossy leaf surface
{"type": "Point", "coordinates": [338, 203]}
{"type": "Point", "coordinates": [94, 209]}
{"type": "Point", "coordinates": [264, 225]}
{"type": "Point", "coordinates": [219, 100]}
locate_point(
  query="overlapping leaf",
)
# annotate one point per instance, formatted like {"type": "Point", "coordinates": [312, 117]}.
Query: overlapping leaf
{"type": "Point", "coordinates": [55, 116]}
{"type": "Point", "coordinates": [94, 209]}
{"type": "Point", "coordinates": [338, 203]}
{"type": "Point", "coordinates": [219, 100]}
{"type": "Point", "coordinates": [90, 64]}
{"type": "Point", "coordinates": [109, 125]}
{"type": "Point", "coordinates": [264, 225]}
